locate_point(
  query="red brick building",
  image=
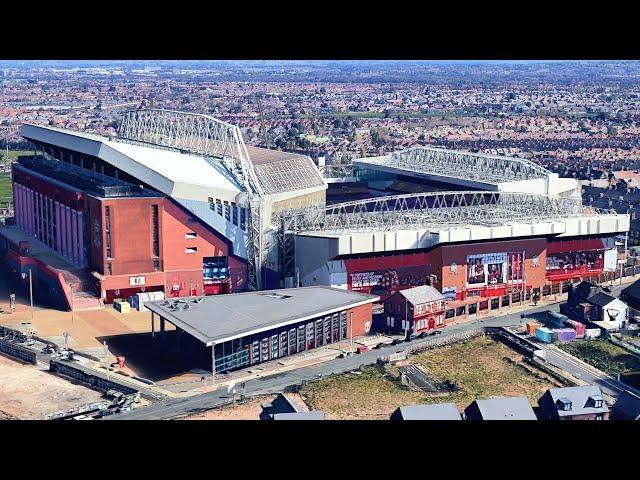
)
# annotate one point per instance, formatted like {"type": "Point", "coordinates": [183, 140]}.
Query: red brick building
{"type": "Point", "coordinates": [111, 239]}
{"type": "Point", "coordinates": [415, 310]}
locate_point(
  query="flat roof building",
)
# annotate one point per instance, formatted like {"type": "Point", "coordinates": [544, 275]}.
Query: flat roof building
{"type": "Point", "coordinates": [253, 327]}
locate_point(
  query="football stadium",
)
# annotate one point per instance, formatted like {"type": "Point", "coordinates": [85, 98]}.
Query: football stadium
{"type": "Point", "coordinates": [177, 203]}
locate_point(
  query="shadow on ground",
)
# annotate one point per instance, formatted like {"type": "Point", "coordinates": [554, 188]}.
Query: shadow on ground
{"type": "Point", "coordinates": [159, 360]}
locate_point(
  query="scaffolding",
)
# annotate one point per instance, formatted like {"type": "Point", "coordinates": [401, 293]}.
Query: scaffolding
{"type": "Point", "coordinates": [209, 137]}
{"type": "Point", "coordinates": [462, 165]}
{"type": "Point", "coordinates": [431, 210]}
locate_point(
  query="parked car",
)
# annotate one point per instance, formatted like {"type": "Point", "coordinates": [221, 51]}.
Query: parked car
{"type": "Point", "coordinates": [361, 349]}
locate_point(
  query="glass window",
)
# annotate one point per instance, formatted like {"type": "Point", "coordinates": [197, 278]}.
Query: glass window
{"type": "Point", "coordinates": [327, 330]}
{"type": "Point", "coordinates": [343, 325]}
{"type": "Point", "coordinates": [319, 337]}
{"type": "Point", "coordinates": [292, 341]}
{"type": "Point", "coordinates": [284, 344]}
{"type": "Point", "coordinates": [335, 327]}
{"type": "Point", "coordinates": [243, 218]}
{"type": "Point", "coordinates": [301, 338]}
{"type": "Point", "coordinates": [226, 211]}
{"type": "Point", "coordinates": [255, 352]}
{"type": "Point", "coordinates": [234, 213]}
{"type": "Point", "coordinates": [310, 336]}
{"type": "Point", "coordinates": [265, 350]}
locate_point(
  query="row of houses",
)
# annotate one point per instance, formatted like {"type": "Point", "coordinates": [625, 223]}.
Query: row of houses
{"type": "Point", "coordinates": [564, 403]}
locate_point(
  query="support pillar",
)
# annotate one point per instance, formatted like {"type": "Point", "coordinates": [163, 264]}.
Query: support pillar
{"type": "Point", "coordinates": [162, 329]}
{"type": "Point", "coordinates": [153, 326]}
{"type": "Point", "coordinates": [213, 364]}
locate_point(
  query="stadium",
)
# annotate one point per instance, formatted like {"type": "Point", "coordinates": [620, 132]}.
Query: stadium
{"type": "Point", "coordinates": [176, 202]}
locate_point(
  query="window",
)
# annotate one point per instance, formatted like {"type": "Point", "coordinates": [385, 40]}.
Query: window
{"type": "Point", "coordinates": [319, 338]}
{"type": "Point", "coordinates": [109, 270]}
{"type": "Point", "coordinates": [255, 352]}
{"type": "Point", "coordinates": [107, 229]}
{"type": "Point", "coordinates": [292, 341]}
{"type": "Point", "coordinates": [156, 233]}
{"type": "Point", "coordinates": [439, 320]}
{"type": "Point", "coordinates": [301, 338]}
{"type": "Point", "coordinates": [243, 218]}
{"type": "Point", "coordinates": [226, 211]}
{"type": "Point", "coordinates": [599, 417]}
{"type": "Point", "coordinates": [191, 250]}
{"type": "Point", "coordinates": [156, 265]}
{"type": "Point", "coordinates": [215, 267]}
{"type": "Point", "coordinates": [234, 213]}
{"type": "Point", "coordinates": [284, 344]}
{"type": "Point", "coordinates": [212, 204]}
{"type": "Point", "coordinates": [343, 325]}
{"type": "Point", "coordinates": [190, 235]}
{"type": "Point", "coordinates": [218, 206]}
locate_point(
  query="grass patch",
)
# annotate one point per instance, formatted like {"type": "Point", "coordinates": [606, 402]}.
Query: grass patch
{"type": "Point", "coordinates": [5, 188]}
{"type": "Point", "coordinates": [477, 366]}
{"type": "Point", "coordinates": [603, 355]}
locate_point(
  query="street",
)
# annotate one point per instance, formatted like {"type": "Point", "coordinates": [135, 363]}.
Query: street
{"type": "Point", "coordinates": [172, 408]}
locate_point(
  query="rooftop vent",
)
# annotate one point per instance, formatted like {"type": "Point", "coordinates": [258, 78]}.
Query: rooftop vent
{"type": "Point", "coordinates": [277, 296]}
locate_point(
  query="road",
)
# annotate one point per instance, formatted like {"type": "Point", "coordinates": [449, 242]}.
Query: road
{"type": "Point", "coordinates": [177, 407]}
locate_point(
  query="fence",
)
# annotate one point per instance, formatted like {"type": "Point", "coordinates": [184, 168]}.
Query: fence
{"type": "Point", "coordinates": [442, 341]}
{"type": "Point", "coordinates": [97, 379]}
{"type": "Point", "coordinates": [18, 351]}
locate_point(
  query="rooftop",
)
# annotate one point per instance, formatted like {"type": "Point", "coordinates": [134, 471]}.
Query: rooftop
{"type": "Point", "coordinates": [219, 318]}
{"type": "Point", "coordinates": [581, 399]}
{"type": "Point", "coordinates": [438, 411]}
{"type": "Point", "coordinates": [421, 294]}
{"type": "Point", "coordinates": [505, 408]}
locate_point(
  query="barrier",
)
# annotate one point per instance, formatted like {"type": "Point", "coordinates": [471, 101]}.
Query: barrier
{"type": "Point", "coordinates": [18, 352]}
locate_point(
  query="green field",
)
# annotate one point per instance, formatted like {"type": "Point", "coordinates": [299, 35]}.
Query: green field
{"type": "Point", "coordinates": [480, 367]}
{"type": "Point", "coordinates": [603, 355]}
{"type": "Point", "coordinates": [5, 188]}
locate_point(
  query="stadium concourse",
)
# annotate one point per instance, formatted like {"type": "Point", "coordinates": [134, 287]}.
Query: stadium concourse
{"type": "Point", "coordinates": [176, 202]}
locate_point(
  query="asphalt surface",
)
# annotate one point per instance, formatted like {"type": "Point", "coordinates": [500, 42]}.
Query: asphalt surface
{"type": "Point", "coordinates": [177, 407]}
{"type": "Point", "coordinates": [418, 378]}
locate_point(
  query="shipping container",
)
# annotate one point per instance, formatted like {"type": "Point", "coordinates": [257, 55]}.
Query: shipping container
{"type": "Point", "coordinates": [565, 334]}
{"type": "Point", "coordinates": [532, 327]}
{"type": "Point", "coordinates": [577, 326]}
{"type": "Point", "coordinates": [544, 334]}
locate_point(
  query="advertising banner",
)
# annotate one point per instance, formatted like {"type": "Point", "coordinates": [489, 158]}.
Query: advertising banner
{"type": "Point", "coordinates": [486, 269]}
{"type": "Point", "coordinates": [575, 262]}
{"type": "Point", "coordinates": [385, 282]}
{"type": "Point", "coordinates": [610, 260]}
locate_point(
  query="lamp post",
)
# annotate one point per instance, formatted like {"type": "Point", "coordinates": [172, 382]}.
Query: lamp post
{"type": "Point", "coordinates": [351, 331]}
{"type": "Point", "coordinates": [31, 294]}
{"type": "Point", "coordinates": [72, 285]}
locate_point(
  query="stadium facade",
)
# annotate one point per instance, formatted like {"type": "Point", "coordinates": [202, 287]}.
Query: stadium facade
{"type": "Point", "coordinates": [177, 202]}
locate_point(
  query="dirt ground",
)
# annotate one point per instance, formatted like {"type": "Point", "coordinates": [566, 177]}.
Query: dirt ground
{"type": "Point", "coordinates": [249, 410]}
{"type": "Point", "coordinates": [476, 366]}
{"type": "Point", "coordinates": [28, 393]}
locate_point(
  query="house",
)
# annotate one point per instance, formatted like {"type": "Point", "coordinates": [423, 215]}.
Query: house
{"type": "Point", "coordinates": [438, 411]}
{"type": "Point", "coordinates": [415, 310]}
{"type": "Point", "coordinates": [500, 408]}
{"type": "Point", "coordinates": [627, 407]}
{"type": "Point", "coordinates": [573, 403]}
{"type": "Point", "coordinates": [631, 296]}
{"type": "Point", "coordinates": [283, 408]}
{"type": "Point", "coordinates": [609, 312]}
{"type": "Point", "coordinates": [588, 302]}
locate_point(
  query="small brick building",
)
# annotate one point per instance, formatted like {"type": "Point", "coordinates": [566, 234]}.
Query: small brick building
{"type": "Point", "coordinates": [415, 310]}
